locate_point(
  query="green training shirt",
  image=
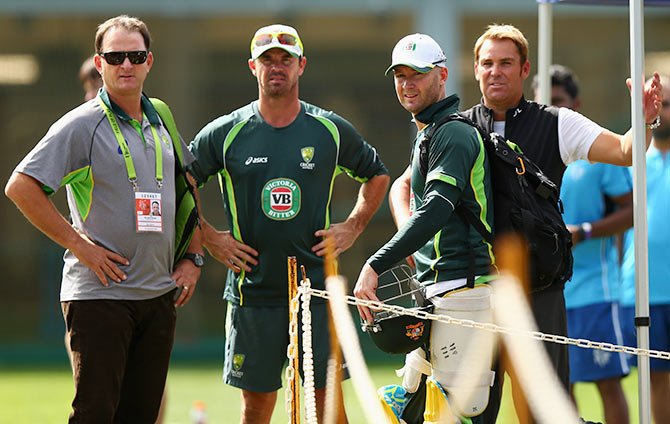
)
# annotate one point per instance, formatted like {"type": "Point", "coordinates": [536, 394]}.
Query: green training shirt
{"type": "Point", "coordinates": [458, 174]}
{"type": "Point", "coordinates": [277, 185]}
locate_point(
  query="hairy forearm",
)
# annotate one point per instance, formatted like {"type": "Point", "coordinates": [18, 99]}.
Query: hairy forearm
{"type": "Point", "coordinates": [370, 197]}
{"type": "Point", "coordinates": [627, 146]}
{"type": "Point", "coordinates": [614, 223]}
{"type": "Point", "coordinates": [617, 221]}
{"type": "Point", "coordinates": [27, 194]}
{"type": "Point", "coordinates": [196, 242]}
{"type": "Point", "coordinates": [399, 196]}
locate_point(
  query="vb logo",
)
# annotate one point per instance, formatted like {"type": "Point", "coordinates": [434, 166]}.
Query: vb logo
{"type": "Point", "coordinates": [281, 199]}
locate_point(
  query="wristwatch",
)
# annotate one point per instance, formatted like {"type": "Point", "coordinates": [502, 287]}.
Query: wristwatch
{"type": "Point", "coordinates": [655, 123]}
{"type": "Point", "coordinates": [196, 258]}
{"type": "Point", "coordinates": [586, 227]}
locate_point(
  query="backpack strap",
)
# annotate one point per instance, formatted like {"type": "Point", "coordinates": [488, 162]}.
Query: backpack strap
{"type": "Point", "coordinates": [187, 215]}
{"type": "Point", "coordinates": [425, 142]}
{"type": "Point", "coordinates": [469, 219]}
{"type": "Point", "coordinates": [166, 115]}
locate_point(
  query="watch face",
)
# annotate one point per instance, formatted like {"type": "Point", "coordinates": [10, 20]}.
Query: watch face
{"type": "Point", "coordinates": [196, 258]}
{"type": "Point", "coordinates": [199, 261]}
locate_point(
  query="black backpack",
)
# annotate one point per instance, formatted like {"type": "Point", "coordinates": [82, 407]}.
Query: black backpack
{"type": "Point", "coordinates": [525, 201]}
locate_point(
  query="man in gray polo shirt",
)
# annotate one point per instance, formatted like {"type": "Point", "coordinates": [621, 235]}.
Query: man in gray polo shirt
{"type": "Point", "coordinates": [116, 159]}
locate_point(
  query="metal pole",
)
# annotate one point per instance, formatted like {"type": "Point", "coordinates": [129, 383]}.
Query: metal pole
{"type": "Point", "coordinates": [544, 53]}
{"type": "Point", "coordinates": [442, 20]}
{"type": "Point", "coordinates": [639, 205]}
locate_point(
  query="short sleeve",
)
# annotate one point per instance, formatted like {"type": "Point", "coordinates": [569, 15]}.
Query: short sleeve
{"type": "Point", "coordinates": [576, 134]}
{"type": "Point", "coordinates": [357, 158]}
{"type": "Point", "coordinates": [62, 156]}
{"type": "Point", "coordinates": [207, 149]}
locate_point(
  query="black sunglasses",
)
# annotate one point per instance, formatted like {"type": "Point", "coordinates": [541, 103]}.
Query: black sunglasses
{"type": "Point", "coordinates": [117, 58]}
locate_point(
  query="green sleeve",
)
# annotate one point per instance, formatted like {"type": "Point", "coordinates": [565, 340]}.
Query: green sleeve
{"type": "Point", "coordinates": [424, 223]}
{"type": "Point", "coordinates": [207, 148]}
{"type": "Point", "coordinates": [357, 158]}
{"type": "Point", "coordinates": [453, 150]}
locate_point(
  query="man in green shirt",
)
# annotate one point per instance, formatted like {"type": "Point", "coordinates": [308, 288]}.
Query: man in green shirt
{"type": "Point", "coordinates": [276, 160]}
{"type": "Point", "coordinates": [446, 250]}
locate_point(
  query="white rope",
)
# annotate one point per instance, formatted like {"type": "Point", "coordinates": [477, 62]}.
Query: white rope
{"type": "Point", "coordinates": [291, 352]}
{"type": "Point", "coordinates": [536, 335]}
{"type": "Point", "coordinates": [330, 403]}
{"type": "Point", "coordinates": [308, 355]}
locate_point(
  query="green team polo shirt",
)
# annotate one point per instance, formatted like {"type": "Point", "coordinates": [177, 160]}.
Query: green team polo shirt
{"type": "Point", "coordinates": [277, 185]}
{"type": "Point", "coordinates": [458, 174]}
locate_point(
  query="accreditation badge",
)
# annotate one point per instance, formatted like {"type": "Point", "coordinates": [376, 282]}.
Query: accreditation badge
{"type": "Point", "coordinates": [148, 212]}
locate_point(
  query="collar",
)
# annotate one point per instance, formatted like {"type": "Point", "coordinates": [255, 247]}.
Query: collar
{"type": "Point", "coordinates": [511, 112]}
{"type": "Point", "coordinates": [147, 107]}
{"type": "Point", "coordinates": [437, 110]}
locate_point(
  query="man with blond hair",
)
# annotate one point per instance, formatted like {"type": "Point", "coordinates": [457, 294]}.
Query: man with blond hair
{"type": "Point", "coordinates": [552, 137]}
{"type": "Point", "coordinates": [119, 286]}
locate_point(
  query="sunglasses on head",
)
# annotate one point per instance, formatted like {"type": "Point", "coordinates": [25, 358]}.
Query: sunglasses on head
{"type": "Point", "coordinates": [282, 37]}
{"type": "Point", "coordinates": [117, 58]}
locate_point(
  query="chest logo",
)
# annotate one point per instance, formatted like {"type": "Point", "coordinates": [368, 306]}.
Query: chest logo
{"type": "Point", "coordinates": [281, 199]}
{"type": "Point", "coordinates": [307, 153]}
{"type": "Point", "coordinates": [252, 159]}
{"type": "Point", "coordinates": [307, 156]}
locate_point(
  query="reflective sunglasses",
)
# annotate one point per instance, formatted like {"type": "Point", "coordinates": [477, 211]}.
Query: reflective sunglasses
{"type": "Point", "coordinates": [116, 58]}
{"type": "Point", "coordinates": [286, 39]}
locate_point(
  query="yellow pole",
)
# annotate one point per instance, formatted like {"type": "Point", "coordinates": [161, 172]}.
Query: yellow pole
{"type": "Point", "coordinates": [334, 386]}
{"type": "Point", "coordinates": [511, 253]}
{"type": "Point", "coordinates": [294, 384]}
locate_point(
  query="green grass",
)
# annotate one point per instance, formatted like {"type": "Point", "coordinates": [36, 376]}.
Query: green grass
{"type": "Point", "coordinates": [42, 395]}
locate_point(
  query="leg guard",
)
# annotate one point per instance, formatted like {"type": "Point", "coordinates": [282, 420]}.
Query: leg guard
{"type": "Point", "coordinates": [462, 357]}
{"type": "Point", "coordinates": [437, 410]}
{"type": "Point", "coordinates": [393, 402]}
{"type": "Point", "coordinates": [415, 366]}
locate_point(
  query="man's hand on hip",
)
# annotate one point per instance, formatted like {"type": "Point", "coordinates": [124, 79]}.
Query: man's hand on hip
{"type": "Point", "coordinates": [343, 236]}
{"type": "Point", "coordinates": [186, 275]}
{"type": "Point", "coordinates": [225, 249]}
{"type": "Point", "coordinates": [102, 261]}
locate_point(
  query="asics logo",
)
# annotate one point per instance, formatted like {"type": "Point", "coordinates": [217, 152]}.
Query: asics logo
{"type": "Point", "coordinates": [252, 159]}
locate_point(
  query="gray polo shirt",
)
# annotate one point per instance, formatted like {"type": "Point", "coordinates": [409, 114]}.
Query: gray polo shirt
{"type": "Point", "coordinates": [81, 152]}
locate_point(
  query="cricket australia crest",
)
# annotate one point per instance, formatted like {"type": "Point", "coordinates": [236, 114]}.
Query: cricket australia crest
{"type": "Point", "coordinates": [307, 154]}
{"type": "Point", "coordinates": [238, 361]}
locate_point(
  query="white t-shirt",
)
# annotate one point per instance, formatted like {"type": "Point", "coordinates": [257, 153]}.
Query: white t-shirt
{"type": "Point", "coordinates": [576, 134]}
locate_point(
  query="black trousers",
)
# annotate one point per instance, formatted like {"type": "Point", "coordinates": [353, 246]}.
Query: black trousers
{"type": "Point", "coordinates": [120, 351]}
{"type": "Point", "coordinates": [548, 308]}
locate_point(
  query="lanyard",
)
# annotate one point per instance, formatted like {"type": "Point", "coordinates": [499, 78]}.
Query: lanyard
{"type": "Point", "coordinates": [130, 167]}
